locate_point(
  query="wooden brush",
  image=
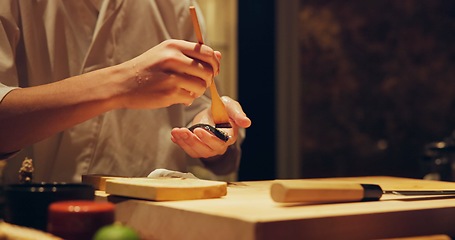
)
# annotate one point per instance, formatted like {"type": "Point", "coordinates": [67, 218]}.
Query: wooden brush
{"type": "Point", "coordinates": [219, 113]}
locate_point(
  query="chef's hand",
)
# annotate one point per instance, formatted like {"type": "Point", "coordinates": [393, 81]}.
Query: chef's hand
{"type": "Point", "coordinates": [173, 72]}
{"type": "Point", "coordinates": [203, 144]}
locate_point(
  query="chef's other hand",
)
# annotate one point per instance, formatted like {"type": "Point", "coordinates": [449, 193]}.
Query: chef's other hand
{"type": "Point", "coordinates": [203, 144]}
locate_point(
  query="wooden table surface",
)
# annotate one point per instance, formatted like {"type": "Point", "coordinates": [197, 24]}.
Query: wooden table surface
{"type": "Point", "coordinates": [248, 212]}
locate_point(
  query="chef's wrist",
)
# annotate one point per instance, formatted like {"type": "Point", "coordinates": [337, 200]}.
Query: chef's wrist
{"type": "Point", "coordinates": [122, 80]}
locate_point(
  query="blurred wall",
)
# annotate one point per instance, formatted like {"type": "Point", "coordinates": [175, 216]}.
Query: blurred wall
{"type": "Point", "coordinates": [378, 83]}
{"type": "Point", "coordinates": [221, 31]}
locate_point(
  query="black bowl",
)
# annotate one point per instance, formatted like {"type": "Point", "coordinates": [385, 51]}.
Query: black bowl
{"type": "Point", "coordinates": [27, 204]}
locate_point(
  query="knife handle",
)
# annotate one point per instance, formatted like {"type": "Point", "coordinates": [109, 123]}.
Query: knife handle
{"type": "Point", "coordinates": [291, 191]}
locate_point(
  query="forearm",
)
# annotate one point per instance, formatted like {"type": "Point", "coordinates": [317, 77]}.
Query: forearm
{"type": "Point", "coordinates": [164, 75]}
{"type": "Point", "coordinates": [28, 115]}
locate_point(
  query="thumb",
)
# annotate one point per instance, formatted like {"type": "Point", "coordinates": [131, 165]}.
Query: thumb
{"type": "Point", "coordinates": [236, 112]}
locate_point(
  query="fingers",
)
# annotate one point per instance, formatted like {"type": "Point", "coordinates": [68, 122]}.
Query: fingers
{"type": "Point", "coordinates": [203, 53]}
{"type": "Point", "coordinates": [200, 144]}
{"type": "Point", "coordinates": [197, 70]}
{"type": "Point", "coordinates": [172, 72]}
{"type": "Point", "coordinates": [195, 59]}
{"type": "Point", "coordinates": [191, 84]}
{"type": "Point", "coordinates": [175, 89]}
{"type": "Point", "coordinates": [186, 97]}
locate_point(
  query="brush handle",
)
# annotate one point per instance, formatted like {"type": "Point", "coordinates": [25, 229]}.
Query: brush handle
{"type": "Point", "coordinates": [219, 113]}
{"type": "Point", "coordinates": [291, 191]}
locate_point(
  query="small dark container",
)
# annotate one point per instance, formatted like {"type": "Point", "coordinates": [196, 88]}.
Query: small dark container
{"type": "Point", "coordinates": [27, 204]}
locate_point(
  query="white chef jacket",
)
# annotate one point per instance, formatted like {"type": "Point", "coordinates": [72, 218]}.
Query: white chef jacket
{"type": "Point", "coordinates": [42, 41]}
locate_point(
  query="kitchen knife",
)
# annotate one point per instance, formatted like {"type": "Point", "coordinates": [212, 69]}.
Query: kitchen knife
{"type": "Point", "coordinates": [292, 191]}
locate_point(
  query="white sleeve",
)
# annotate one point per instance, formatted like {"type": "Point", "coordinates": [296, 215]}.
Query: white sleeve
{"type": "Point", "coordinates": [4, 90]}
{"type": "Point", "coordinates": [9, 39]}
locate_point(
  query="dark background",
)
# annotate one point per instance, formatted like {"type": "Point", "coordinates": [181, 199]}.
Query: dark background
{"type": "Point", "coordinates": [378, 83]}
{"type": "Point", "coordinates": [256, 54]}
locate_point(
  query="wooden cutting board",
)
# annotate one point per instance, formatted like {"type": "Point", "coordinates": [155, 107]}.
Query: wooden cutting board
{"type": "Point", "coordinates": [165, 189]}
{"type": "Point", "coordinates": [248, 212]}
{"type": "Point", "coordinates": [98, 181]}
